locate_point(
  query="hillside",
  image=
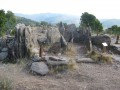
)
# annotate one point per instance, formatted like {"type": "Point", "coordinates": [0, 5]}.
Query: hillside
{"type": "Point", "coordinates": [110, 22]}
{"type": "Point", "coordinates": [54, 18]}
{"type": "Point", "coordinates": [26, 21]}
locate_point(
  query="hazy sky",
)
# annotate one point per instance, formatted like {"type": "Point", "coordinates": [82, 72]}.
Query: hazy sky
{"type": "Point", "coordinates": [102, 9]}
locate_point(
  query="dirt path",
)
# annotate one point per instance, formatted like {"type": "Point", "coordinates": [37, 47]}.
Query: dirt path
{"type": "Point", "coordinates": [87, 77]}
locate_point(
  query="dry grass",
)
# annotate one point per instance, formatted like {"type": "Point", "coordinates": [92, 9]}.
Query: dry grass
{"type": "Point", "coordinates": [70, 51]}
{"type": "Point", "coordinates": [100, 57]}
{"type": "Point", "coordinates": [5, 83]}
{"type": "Point", "coordinates": [72, 65]}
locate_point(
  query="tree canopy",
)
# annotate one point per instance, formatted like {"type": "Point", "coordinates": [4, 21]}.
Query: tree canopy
{"type": "Point", "coordinates": [89, 20]}
{"type": "Point", "coordinates": [7, 21]}
{"type": "Point", "coordinates": [11, 20]}
{"type": "Point", "coordinates": [116, 31]}
{"type": "Point", "coordinates": [2, 21]}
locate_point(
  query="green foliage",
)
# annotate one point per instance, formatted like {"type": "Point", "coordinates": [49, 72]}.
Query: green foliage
{"type": "Point", "coordinates": [13, 32]}
{"type": "Point", "coordinates": [116, 31]}
{"type": "Point", "coordinates": [90, 20]}
{"type": "Point", "coordinates": [11, 20]}
{"type": "Point", "coordinates": [87, 20]}
{"type": "Point", "coordinates": [2, 21]}
{"type": "Point", "coordinates": [98, 27]}
{"type": "Point", "coordinates": [27, 21]}
{"type": "Point", "coordinates": [44, 23]}
{"type": "Point", "coordinates": [7, 21]}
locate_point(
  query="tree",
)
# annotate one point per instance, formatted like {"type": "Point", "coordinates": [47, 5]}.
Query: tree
{"type": "Point", "coordinates": [89, 20]}
{"type": "Point", "coordinates": [11, 20]}
{"type": "Point", "coordinates": [98, 27]}
{"type": "Point", "coordinates": [2, 21]}
{"type": "Point", "coordinates": [116, 31]}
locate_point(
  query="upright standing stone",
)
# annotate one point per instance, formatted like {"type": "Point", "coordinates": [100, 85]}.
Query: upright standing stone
{"type": "Point", "coordinates": [23, 41]}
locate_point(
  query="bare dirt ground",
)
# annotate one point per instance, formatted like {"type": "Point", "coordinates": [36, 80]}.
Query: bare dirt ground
{"type": "Point", "coordinates": [88, 76]}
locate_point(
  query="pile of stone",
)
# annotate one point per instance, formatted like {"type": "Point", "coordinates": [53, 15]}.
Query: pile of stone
{"type": "Point", "coordinates": [41, 65]}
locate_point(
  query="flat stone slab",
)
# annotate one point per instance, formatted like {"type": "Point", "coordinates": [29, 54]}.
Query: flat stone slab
{"type": "Point", "coordinates": [84, 60]}
{"type": "Point", "coordinates": [57, 61]}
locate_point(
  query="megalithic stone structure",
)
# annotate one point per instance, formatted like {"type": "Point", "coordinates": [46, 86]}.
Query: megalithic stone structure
{"type": "Point", "coordinates": [23, 41]}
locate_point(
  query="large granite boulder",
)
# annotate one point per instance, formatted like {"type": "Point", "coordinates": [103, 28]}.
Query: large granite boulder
{"type": "Point", "coordinates": [53, 35]}
{"type": "Point", "coordinates": [40, 68]}
{"type": "Point", "coordinates": [98, 40]}
{"type": "Point", "coordinates": [4, 54]}
{"type": "Point", "coordinates": [24, 41]}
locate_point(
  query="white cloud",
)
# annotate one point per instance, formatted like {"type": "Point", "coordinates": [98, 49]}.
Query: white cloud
{"type": "Point", "coordinates": [100, 8]}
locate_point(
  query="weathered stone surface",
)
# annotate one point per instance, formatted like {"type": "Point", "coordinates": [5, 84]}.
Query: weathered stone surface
{"type": "Point", "coordinates": [3, 55]}
{"type": "Point", "coordinates": [69, 32]}
{"type": "Point", "coordinates": [84, 60]}
{"type": "Point", "coordinates": [23, 41]}
{"type": "Point", "coordinates": [36, 58]}
{"type": "Point", "coordinates": [61, 28]}
{"type": "Point", "coordinates": [2, 42]}
{"type": "Point", "coordinates": [4, 49]}
{"type": "Point", "coordinates": [115, 49]}
{"type": "Point", "coordinates": [71, 27]}
{"type": "Point", "coordinates": [53, 35]}
{"type": "Point", "coordinates": [39, 68]}
{"type": "Point", "coordinates": [57, 61]}
{"type": "Point", "coordinates": [35, 50]}
{"type": "Point", "coordinates": [98, 40]}
{"type": "Point", "coordinates": [63, 42]}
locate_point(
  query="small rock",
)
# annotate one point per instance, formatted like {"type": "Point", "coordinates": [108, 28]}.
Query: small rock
{"type": "Point", "coordinates": [36, 58]}
{"type": "Point", "coordinates": [3, 55]}
{"type": "Point", "coordinates": [40, 68]}
{"type": "Point", "coordinates": [4, 49]}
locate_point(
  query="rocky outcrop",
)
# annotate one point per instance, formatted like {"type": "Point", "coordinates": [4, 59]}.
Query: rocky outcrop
{"type": "Point", "coordinates": [40, 68]}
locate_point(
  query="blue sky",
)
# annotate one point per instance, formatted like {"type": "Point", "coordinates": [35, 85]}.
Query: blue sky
{"type": "Point", "coordinates": [102, 9]}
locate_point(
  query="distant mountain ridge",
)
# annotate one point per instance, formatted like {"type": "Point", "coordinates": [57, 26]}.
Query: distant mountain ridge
{"type": "Point", "coordinates": [110, 22]}
{"type": "Point", "coordinates": [54, 18]}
